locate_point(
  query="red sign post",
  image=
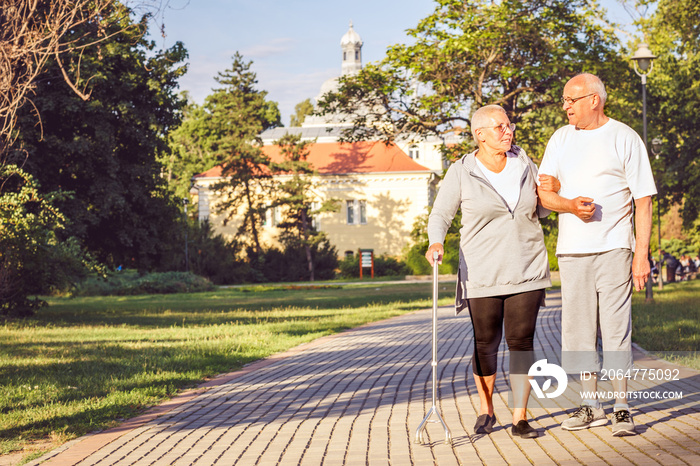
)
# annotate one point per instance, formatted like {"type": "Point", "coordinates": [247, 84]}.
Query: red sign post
{"type": "Point", "coordinates": [366, 260]}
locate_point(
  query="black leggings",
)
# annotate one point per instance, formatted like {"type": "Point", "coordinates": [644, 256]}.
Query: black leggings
{"type": "Point", "coordinates": [518, 313]}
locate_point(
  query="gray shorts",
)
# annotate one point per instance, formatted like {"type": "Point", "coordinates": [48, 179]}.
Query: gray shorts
{"type": "Point", "coordinates": [596, 291]}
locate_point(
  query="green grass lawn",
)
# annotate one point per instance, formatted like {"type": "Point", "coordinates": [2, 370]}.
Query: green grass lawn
{"type": "Point", "coordinates": [670, 326]}
{"type": "Point", "coordinates": [84, 364]}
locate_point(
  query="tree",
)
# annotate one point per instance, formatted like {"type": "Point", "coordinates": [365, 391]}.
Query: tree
{"type": "Point", "coordinates": [296, 191]}
{"type": "Point", "coordinates": [468, 53]}
{"type": "Point", "coordinates": [301, 110]}
{"type": "Point", "coordinates": [33, 259]}
{"type": "Point", "coordinates": [237, 114]}
{"type": "Point", "coordinates": [674, 103]}
{"type": "Point", "coordinates": [103, 150]}
{"type": "Point", "coordinates": [189, 150]}
{"type": "Point", "coordinates": [35, 31]}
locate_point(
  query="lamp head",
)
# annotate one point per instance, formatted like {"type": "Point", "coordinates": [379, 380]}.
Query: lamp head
{"type": "Point", "coordinates": [643, 57]}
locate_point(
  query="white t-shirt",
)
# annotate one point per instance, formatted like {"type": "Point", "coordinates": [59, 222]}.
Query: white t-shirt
{"type": "Point", "coordinates": [608, 164]}
{"type": "Point", "coordinates": [507, 181]}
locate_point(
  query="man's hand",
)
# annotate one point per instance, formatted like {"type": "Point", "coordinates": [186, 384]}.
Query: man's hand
{"type": "Point", "coordinates": [640, 271]}
{"type": "Point", "coordinates": [549, 183]}
{"type": "Point", "coordinates": [582, 207]}
{"type": "Point", "coordinates": [434, 247]}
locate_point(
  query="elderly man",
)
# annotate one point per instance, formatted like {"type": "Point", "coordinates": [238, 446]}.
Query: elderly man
{"type": "Point", "coordinates": [602, 165]}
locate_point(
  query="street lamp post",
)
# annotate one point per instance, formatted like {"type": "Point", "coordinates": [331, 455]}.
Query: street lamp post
{"type": "Point", "coordinates": [186, 201]}
{"type": "Point", "coordinates": [645, 59]}
{"type": "Point", "coordinates": [656, 145]}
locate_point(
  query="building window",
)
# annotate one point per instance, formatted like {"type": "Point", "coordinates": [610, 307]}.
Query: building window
{"type": "Point", "coordinates": [315, 220]}
{"type": "Point", "coordinates": [345, 56]}
{"type": "Point", "coordinates": [357, 212]}
{"type": "Point", "coordinates": [349, 254]}
{"type": "Point", "coordinates": [276, 216]}
{"type": "Point", "coordinates": [273, 217]}
{"type": "Point", "coordinates": [414, 152]}
{"type": "Point", "coordinates": [357, 55]}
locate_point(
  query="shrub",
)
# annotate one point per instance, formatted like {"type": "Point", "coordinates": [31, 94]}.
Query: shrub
{"type": "Point", "coordinates": [550, 241]}
{"type": "Point", "coordinates": [130, 283]}
{"type": "Point", "coordinates": [384, 266]}
{"type": "Point", "coordinates": [33, 259]}
{"type": "Point", "coordinates": [350, 267]}
{"type": "Point", "coordinates": [677, 247]}
{"type": "Point", "coordinates": [210, 255]}
{"type": "Point", "coordinates": [214, 257]}
{"type": "Point", "coordinates": [415, 255]}
{"type": "Point", "coordinates": [415, 259]}
{"type": "Point", "coordinates": [419, 265]}
{"type": "Point", "coordinates": [290, 264]}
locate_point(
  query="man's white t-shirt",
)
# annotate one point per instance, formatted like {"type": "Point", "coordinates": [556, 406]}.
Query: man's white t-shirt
{"type": "Point", "coordinates": [608, 164]}
{"type": "Point", "coordinates": [507, 181]}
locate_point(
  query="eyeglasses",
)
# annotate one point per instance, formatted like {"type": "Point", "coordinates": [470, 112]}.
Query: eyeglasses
{"type": "Point", "coordinates": [570, 101]}
{"type": "Point", "coordinates": [502, 127]}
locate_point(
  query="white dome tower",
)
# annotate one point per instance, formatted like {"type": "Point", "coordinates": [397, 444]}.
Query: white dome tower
{"type": "Point", "coordinates": [351, 43]}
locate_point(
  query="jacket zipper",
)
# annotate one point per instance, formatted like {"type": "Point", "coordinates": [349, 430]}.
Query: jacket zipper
{"type": "Point", "coordinates": [486, 182]}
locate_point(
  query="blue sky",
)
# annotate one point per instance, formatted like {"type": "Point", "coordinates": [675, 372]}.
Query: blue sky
{"type": "Point", "coordinates": [294, 45]}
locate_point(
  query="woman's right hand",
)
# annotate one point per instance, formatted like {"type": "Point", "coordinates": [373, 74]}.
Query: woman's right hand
{"type": "Point", "coordinates": [434, 247]}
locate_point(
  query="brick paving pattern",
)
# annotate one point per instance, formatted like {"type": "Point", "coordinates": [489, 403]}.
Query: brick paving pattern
{"type": "Point", "coordinates": [357, 398]}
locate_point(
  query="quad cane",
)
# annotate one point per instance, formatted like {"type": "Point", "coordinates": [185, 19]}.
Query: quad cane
{"type": "Point", "coordinates": [434, 409]}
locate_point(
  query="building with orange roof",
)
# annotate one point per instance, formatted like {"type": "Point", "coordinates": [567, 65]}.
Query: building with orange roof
{"type": "Point", "coordinates": [382, 188]}
{"type": "Point", "coordinates": [381, 192]}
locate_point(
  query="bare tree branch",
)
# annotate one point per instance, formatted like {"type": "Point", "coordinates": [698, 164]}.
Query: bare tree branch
{"type": "Point", "coordinates": [32, 31]}
{"type": "Point", "coordinates": [68, 80]}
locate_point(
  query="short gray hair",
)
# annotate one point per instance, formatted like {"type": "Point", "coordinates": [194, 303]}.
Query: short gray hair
{"type": "Point", "coordinates": [595, 85]}
{"type": "Point", "coordinates": [480, 118]}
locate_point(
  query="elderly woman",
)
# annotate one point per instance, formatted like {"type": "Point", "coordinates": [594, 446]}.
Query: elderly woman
{"type": "Point", "coordinates": [503, 267]}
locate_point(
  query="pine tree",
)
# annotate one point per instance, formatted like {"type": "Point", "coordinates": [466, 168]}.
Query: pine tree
{"type": "Point", "coordinates": [238, 113]}
{"type": "Point", "coordinates": [296, 193]}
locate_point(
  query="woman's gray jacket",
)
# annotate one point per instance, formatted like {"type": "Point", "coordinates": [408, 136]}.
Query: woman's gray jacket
{"type": "Point", "coordinates": [502, 252]}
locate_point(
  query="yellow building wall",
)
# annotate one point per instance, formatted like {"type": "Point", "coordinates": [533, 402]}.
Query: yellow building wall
{"type": "Point", "coordinates": [393, 202]}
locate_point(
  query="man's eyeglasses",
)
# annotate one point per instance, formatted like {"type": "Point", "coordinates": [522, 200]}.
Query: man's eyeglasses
{"type": "Point", "coordinates": [502, 127]}
{"type": "Point", "coordinates": [571, 101]}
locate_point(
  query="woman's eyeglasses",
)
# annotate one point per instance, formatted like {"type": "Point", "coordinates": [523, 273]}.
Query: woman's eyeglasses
{"type": "Point", "coordinates": [502, 127]}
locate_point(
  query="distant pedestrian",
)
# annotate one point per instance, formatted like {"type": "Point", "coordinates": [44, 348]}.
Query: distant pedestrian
{"type": "Point", "coordinates": [654, 268]}
{"type": "Point", "coordinates": [672, 265]}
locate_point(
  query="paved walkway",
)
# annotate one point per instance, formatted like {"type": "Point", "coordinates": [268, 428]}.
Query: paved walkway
{"type": "Point", "coordinates": [357, 398]}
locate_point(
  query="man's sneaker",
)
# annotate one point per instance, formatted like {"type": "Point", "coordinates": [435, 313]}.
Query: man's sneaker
{"type": "Point", "coordinates": [622, 423]}
{"type": "Point", "coordinates": [584, 417]}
